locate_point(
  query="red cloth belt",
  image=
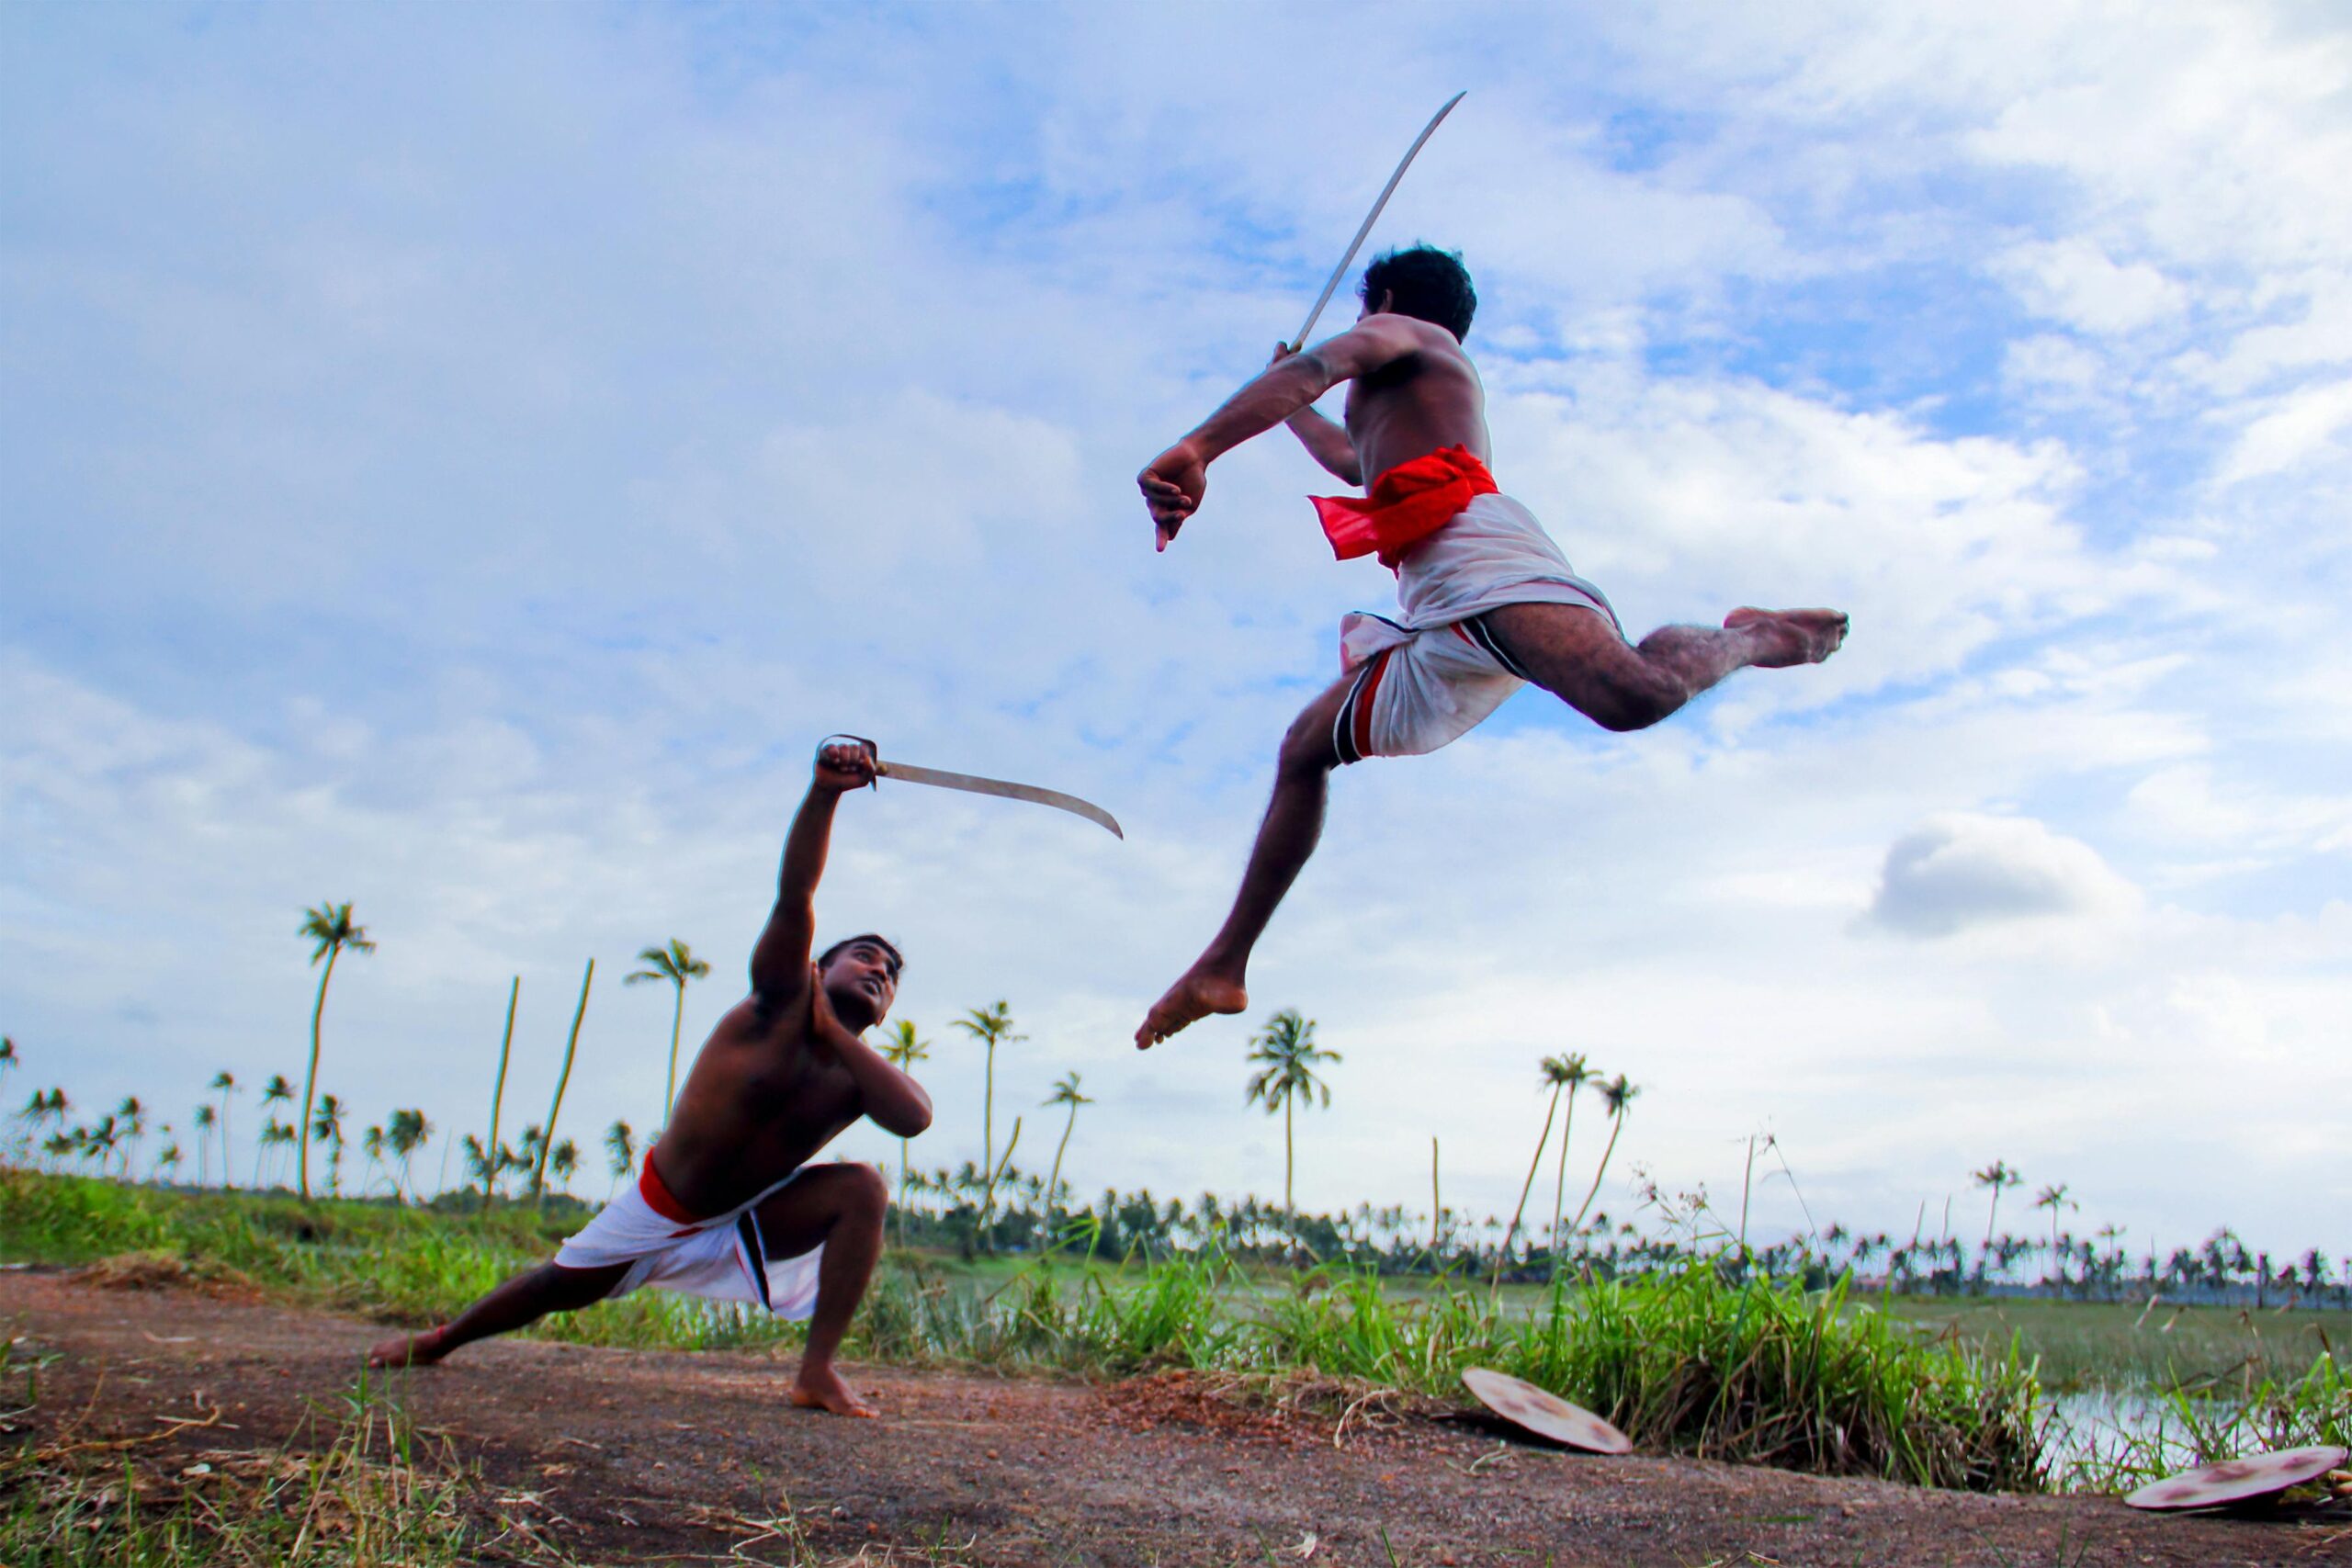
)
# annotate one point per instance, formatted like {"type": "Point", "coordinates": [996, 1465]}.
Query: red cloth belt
{"type": "Point", "coordinates": [1404, 506]}
{"type": "Point", "coordinates": [658, 1197]}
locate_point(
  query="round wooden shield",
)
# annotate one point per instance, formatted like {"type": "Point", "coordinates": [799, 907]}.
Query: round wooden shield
{"type": "Point", "coordinates": [1546, 1415]}
{"type": "Point", "coordinates": [2238, 1480]}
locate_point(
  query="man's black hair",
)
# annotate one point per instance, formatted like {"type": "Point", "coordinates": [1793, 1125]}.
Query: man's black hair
{"type": "Point", "coordinates": [1428, 284]}
{"type": "Point", "coordinates": [897, 960]}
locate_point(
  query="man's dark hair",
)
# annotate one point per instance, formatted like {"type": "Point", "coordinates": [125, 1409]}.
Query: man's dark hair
{"type": "Point", "coordinates": [1428, 284]}
{"type": "Point", "coordinates": [897, 960]}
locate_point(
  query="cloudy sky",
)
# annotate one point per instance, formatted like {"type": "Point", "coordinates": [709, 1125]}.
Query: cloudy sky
{"type": "Point", "coordinates": [461, 460]}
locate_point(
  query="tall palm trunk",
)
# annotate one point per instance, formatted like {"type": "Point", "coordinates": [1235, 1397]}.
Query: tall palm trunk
{"type": "Point", "coordinates": [1502, 1253]}
{"type": "Point", "coordinates": [498, 1095]}
{"type": "Point", "coordinates": [311, 1080]}
{"type": "Point", "coordinates": [1560, 1182]}
{"type": "Point", "coordinates": [1437, 1204]}
{"type": "Point", "coordinates": [677, 1022]}
{"type": "Point", "coordinates": [1054, 1182]}
{"type": "Point", "coordinates": [1616, 1125]}
{"type": "Point", "coordinates": [1290, 1210]}
{"type": "Point", "coordinates": [228, 1181]}
{"type": "Point", "coordinates": [571, 1045]}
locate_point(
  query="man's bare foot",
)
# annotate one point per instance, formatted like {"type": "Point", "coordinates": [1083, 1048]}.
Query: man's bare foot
{"type": "Point", "coordinates": [1199, 993]}
{"type": "Point", "coordinates": [410, 1350]}
{"type": "Point", "coordinates": [1791, 636]}
{"type": "Point", "coordinates": [820, 1388]}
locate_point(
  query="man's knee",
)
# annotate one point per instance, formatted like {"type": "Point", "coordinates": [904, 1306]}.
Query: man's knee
{"type": "Point", "coordinates": [864, 1194]}
{"type": "Point", "coordinates": [1307, 748]}
{"type": "Point", "coordinates": [1632, 706]}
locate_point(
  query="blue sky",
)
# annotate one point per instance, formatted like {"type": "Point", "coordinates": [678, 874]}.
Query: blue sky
{"type": "Point", "coordinates": [460, 461]}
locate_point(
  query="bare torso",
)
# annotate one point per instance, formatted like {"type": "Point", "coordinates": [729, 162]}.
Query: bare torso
{"type": "Point", "coordinates": [1424, 400]}
{"type": "Point", "coordinates": [762, 1100]}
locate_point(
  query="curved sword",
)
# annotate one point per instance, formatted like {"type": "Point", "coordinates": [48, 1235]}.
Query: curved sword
{"type": "Point", "coordinates": [1370, 219]}
{"type": "Point", "coordinates": [973, 784]}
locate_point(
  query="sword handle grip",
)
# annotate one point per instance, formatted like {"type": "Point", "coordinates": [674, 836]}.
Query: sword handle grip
{"type": "Point", "coordinates": [871, 750]}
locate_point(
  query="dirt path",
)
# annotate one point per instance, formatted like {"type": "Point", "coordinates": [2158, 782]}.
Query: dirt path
{"type": "Point", "coordinates": [627, 1456]}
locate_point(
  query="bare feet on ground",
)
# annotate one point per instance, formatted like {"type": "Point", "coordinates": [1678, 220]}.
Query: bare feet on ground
{"type": "Point", "coordinates": [1198, 994]}
{"type": "Point", "coordinates": [820, 1388]}
{"type": "Point", "coordinates": [1791, 636]}
{"type": "Point", "coordinates": [409, 1350]}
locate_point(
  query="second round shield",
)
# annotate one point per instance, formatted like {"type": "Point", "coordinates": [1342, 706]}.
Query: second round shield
{"type": "Point", "coordinates": [1544, 1414]}
{"type": "Point", "coordinates": [2238, 1480]}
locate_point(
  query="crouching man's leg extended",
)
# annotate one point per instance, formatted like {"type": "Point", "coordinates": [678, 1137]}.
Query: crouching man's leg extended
{"type": "Point", "coordinates": [519, 1302]}
{"type": "Point", "coordinates": [841, 1208]}
{"type": "Point", "coordinates": [1217, 981]}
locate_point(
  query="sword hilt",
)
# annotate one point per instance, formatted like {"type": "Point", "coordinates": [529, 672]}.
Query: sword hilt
{"type": "Point", "coordinates": [871, 750]}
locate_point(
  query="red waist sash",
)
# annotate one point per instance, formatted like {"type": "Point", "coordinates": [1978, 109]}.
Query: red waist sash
{"type": "Point", "coordinates": [658, 1198]}
{"type": "Point", "coordinates": [1405, 505]}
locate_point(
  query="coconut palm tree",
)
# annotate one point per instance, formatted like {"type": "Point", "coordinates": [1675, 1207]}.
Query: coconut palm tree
{"type": "Point", "coordinates": [1616, 1094]}
{"type": "Point", "coordinates": [204, 1121]}
{"type": "Point", "coordinates": [1567, 1075]}
{"type": "Point", "coordinates": [1287, 1045]}
{"type": "Point", "coordinates": [133, 1118]}
{"type": "Point", "coordinates": [992, 1027]}
{"type": "Point", "coordinates": [563, 1160]}
{"type": "Point", "coordinates": [2054, 1198]}
{"type": "Point", "coordinates": [1994, 1176]}
{"type": "Point", "coordinates": [620, 1152]}
{"type": "Point", "coordinates": [329, 927]}
{"type": "Point", "coordinates": [570, 1047]}
{"type": "Point", "coordinates": [326, 1127]}
{"type": "Point", "coordinates": [276, 1091]}
{"type": "Point", "coordinates": [489, 1164]}
{"type": "Point", "coordinates": [1535, 1163]}
{"type": "Point", "coordinates": [224, 1083]}
{"type": "Point", "coordinates": [404, 1135]}
{"type": "Point", "coordinates": [1065, 1093]}
{"type": "Point", "coordinates": [676, 964]}
{"type": "Point", "coordinates": [8, 1058]}
{"type": "Point", "coordinates": [902, 1048]}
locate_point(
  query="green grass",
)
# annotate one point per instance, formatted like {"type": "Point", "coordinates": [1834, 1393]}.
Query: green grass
{"type": "Point", "coordinates": [2106, 1347]}
{"type": "Point", "coordinates": [1690, 1360]}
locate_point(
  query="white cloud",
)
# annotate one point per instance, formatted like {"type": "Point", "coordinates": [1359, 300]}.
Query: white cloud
{"type": "Point", "coordinates": [1958, 872]}
{"type": "Point", "coordinates": [2076, 282]}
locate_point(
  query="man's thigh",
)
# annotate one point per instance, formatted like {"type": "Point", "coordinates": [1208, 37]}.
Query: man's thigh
{"type": "Point", "coordinates": [1574, 652]}
{"type": "Point", "coordinates": [800, 1218]}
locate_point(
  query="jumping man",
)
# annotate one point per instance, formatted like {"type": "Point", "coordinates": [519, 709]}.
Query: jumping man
{"type": "Point", "coordinates": [727, 1204]}
{"type": "Point", "coordinates": [1488, 601]}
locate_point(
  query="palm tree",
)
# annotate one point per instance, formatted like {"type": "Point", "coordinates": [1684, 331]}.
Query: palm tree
{"type": "Point", "coordinates": [204, 1121]}
{"type": "Point", "coordinates": [1567, 1074]}
{"type": "Point", "coordinates": [571, 1045]}
{"type": "Point", "coordinates": [563, 1160]}
{"type": "Point", "coordinates": [404, 1135]}
{"type": "Point", "coordinates": [274, 1134]}
{"type": "Point", "coordinates": [225, 1082]}
{"type": "Point", "coordinates": [276, 1091]}
{"type": "Point", "coordinates": [1065, 1093]}
{"type": "Point", "coordinates": [1287, 1045]}
{"type": "Point", "coordinates": [902, 1049]}
{"type": "Point", "coordinates": [677, 964]}
{"type": "Point", "coordinates": [8, 1058]}
{"type": "Point", "coordinates": [1995, 1176]}
{"type": "Point", "coordinates": [371, 1144]}
{"type": "Point", "coordinates": [326, 1127]}
{"type": "Point", "coordinates": [2054, 1197]}
{"type": "Point", "coordinates": [134, 1117]}
{"type": "Point", "coordinates": [331, 927]}
{"type": "Point", "coordinates": [1535, 1163]}
{"type": "Point", "coordinates": [620, 1151]}
{"type": "Point", "coordinates": [1616, 1094]}
{"type": "Point", "coordinates": [991, 1026]}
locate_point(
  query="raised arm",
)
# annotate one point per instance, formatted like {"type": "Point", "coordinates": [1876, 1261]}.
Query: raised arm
{"type": "Point", "coordinates": [1174, 483]}
{"type": "Point", "coordinates": [780, 959]}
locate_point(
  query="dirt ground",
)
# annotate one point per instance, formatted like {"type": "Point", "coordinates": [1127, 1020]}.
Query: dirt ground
{"type": "Point", "coordinates": [636, 1456]}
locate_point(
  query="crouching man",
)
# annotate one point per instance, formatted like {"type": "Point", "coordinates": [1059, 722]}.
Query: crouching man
{"type": "Point", "coordinates": [727, 1204]}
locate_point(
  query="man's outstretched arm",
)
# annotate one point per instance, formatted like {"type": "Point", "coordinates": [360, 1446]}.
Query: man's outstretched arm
{"type": "Point", "coordinates": [1174, 483]}
{"type": "Point", "coordinates": [780, 959]}
{"type": "Point", "coordinates": [1326, 442]}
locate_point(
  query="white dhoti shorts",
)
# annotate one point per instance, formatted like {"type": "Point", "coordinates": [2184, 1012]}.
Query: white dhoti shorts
{"type": "Point", "coordinates": [722, 1257]}
{"type": "Point", "coordinates": [1433, 676]}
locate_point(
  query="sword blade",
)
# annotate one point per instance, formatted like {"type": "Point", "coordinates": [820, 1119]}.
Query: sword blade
{"type": "Point", "coordinates": [972, 783]}
{"type": "Point", "coordinates": [1371, 218]}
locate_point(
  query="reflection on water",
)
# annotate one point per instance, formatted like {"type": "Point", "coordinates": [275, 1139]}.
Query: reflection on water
{"type": "Point", "coordinates": [2094, 1427]}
